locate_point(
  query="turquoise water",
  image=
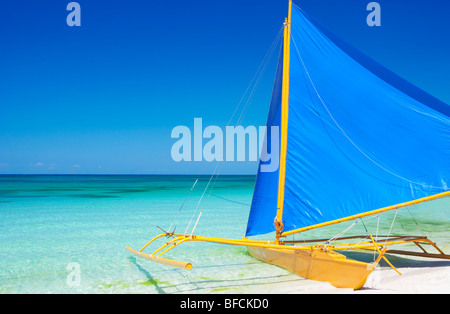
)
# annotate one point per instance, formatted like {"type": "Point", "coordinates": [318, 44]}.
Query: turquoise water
{"type": "Point", "coordinates": [48, 223]}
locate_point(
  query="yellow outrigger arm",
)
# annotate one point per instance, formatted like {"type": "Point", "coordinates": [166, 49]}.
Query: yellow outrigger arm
{"type": "Point", "coordinates": [293, 246]}
{"type": "Point", "coordinates": [329, 265]}
{"type": "Point", "coordinates": [384, 241]}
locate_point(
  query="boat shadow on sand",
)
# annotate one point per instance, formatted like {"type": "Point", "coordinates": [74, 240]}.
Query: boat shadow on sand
{"type": "Point", "coordinates": [212, 285]}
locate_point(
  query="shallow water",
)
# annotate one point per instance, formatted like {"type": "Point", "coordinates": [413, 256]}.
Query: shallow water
{"type": "Point", "coordinates": [50, 223]}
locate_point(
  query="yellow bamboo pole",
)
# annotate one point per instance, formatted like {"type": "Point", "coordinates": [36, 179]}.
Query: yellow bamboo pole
{"type": "Point", "coordinates": [160, 260]}
{"type": "Point", "coordinates": [369, 245]}
{"type": "Point", "coordinates": [174, 244]}
{"type": "Point", "coordinates": [246, 242]}
{"type": "Point", "coordinates": [370, 213]}
{"type": "Point", "coordinates": [168, 243]}
{"type": "Point", "coordinates": [382, 254]}
{"type": "Point", "coordinates": [284, 122]}
{"type": "Point", "coordinates": [152, 240]}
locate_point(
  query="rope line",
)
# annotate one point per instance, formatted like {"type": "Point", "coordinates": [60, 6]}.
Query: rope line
{"type": "Point", "coordinates": [258, 75]}
{"type": "Point", "coordinates": [182, 205]}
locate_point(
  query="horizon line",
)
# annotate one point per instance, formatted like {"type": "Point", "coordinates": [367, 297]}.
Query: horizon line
{"type": "Point", "coordinates": [118, 174]}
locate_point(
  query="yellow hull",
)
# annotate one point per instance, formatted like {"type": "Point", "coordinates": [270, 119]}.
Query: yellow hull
{"type": "Point", "coordinates": [316, 265]}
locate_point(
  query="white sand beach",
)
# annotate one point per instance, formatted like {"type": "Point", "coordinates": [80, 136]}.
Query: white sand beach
{"type": "Point", "coordinates": [426, 280]}
{"type": "Point", "coordinates": [419, 278]}
{"type": "Point", "coordinates": [414, 280]}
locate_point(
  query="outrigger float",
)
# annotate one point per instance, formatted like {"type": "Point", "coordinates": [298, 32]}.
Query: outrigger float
{"type": "Point", "coordinates": [354, 139]}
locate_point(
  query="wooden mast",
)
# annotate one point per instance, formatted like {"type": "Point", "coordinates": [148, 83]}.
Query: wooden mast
{"type": "Point", "coordinates": [284, 124]}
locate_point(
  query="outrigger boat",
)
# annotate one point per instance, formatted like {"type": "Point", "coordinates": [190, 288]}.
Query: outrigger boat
{"type": "Point", "coordinates": [355, 141]}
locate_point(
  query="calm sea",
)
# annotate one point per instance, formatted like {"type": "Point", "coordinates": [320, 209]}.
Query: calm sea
{"type": "Point", "coordinates": [67, 234]}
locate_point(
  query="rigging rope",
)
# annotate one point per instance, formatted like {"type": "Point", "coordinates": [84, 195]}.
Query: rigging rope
{"type": "Point", "coordinates": [264, 65]}
{"type": "Point", "coordinates": [261, 70]}
{"type": "Point", "coordinates": [182, 205]}
{"type": "Point", "coordinates": [200, 200]}
{"type": "Point", "coordinates": [226, 199]}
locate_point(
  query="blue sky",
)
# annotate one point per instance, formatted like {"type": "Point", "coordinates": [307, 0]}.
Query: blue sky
{"type": "Point", "coordinates": [103, 98]}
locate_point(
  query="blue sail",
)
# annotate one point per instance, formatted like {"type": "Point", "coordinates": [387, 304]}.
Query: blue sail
{"type": "Point", "coordinates": [265, 196]}
{"type": "Point", "coordinates": [360, 138]}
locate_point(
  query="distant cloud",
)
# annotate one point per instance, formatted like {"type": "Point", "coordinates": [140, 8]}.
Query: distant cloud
{"type": "Point", "coordinates": [76, 166]}
{"type": "Point", "coordinates": [37, 164]}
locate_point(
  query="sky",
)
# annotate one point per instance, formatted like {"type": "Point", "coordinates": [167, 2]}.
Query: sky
{"type": "Point", "coordinates": [104, 97]}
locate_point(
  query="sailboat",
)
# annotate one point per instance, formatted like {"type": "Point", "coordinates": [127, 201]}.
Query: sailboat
{"type": "Point", "coordinates": [355, 141]}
